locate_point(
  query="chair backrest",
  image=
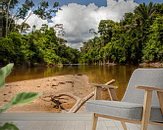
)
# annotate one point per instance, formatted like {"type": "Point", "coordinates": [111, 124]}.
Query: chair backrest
{"type": "Point", "coordinates": [152, 77]}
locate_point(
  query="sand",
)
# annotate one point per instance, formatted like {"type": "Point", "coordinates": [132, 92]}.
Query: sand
{"type": "Point", "coordinates": [77, 85]}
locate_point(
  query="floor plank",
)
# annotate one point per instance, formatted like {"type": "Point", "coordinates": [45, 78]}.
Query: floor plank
{"type": "Point", "coordinates": [54, 121]}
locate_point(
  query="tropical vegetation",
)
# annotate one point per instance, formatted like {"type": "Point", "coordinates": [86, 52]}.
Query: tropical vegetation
{"type": "Point", "coordinates": [38, 46]}
{"type": "Point", "coordinates": [19, 99]}
{"type": "Point", "coordinates": [137, 38]}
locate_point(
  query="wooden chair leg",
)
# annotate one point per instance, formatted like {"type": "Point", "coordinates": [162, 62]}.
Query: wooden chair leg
{"type": "Point", "coordinates": [146, 110]}
{"type": "Point", "coordinates": [94, 122]}
{"type": "Point", "coordinates": [160, 98]}
{"type": "Point", "coordinates": [124, 125]}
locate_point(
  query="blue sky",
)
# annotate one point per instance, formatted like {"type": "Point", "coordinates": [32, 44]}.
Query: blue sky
{"type": "Point", "coordinates": [102, 2]}
{"type": "Point", "coordinates": [147, 1]}
{"type": "Point", "coordinates": [96, 2]}
{"type": "Point", "coordinates": [84, 2]}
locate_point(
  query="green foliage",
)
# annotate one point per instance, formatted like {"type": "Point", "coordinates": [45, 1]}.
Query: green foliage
{"type": "Point", "coordinates": [23, 10]}
{"type": "Point", "coordinates": [44, 11]}
{"type": "Point", "coordinates": [39, 47]}
{"type": "Point", "coordinates": [145, 12]}
{"type": "Point", "coordinates": [4, 72]}
{"type": "Point", "coordinates": [135, 39]}
{"type": "Point", "coordinates": [24, 97]}
{"type": "Point", "coordinates": [153, 50]}
{"type": "Point", "coordinates": [106, 29]}
{"type": "Point", "coordinates": [20, 99]}
{"type": "Point", "coordinates": [8, 126]}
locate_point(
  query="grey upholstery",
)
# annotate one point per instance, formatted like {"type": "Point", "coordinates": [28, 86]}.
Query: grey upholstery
{"type": "Point", "coordinates": [132, 103]}
{"type": "Point", "coordinates": [143, 77]}
{"type": "Point", "coordinates": [132, 111]}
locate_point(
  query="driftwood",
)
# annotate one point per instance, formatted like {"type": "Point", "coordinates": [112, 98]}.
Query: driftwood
{"type": "Point", "coordinates": [59, 99]}
{"type": "Point", "coordinates": [80, 102]}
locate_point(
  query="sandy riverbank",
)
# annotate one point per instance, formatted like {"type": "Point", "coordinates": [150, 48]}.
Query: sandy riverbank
{"type": "Point", "coordinates": [154, 64]}
{"type": "Point", "coordinates": [77, 85]}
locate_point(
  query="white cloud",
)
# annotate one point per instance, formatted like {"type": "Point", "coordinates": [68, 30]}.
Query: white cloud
{"type": "Point", "coordinates": [78, 19]}
{"type": "Point", "coordinates": [33, 20]}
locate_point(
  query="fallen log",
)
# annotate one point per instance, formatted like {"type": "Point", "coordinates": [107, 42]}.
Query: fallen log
{"type": "Point", "coordinates": [80, 103]}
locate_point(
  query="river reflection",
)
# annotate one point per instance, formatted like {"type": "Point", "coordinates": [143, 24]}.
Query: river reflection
{"type": "Point", "coordinates": [96, 74]}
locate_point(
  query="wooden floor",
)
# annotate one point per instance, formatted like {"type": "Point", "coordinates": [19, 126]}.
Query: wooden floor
{"type": "Point", "coordinates": [53, 121]}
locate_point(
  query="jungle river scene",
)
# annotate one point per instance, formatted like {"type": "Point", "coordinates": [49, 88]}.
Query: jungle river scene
{"type": "Point", "coordinates": [62, 56]}
{"type": "Point", "coordinates": [52, 51]}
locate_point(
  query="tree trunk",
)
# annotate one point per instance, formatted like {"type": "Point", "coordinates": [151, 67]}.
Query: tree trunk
{"type": "Point", "coordinates": [7, 17]}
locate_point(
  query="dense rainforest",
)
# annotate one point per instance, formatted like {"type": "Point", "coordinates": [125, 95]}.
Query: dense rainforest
{"type": "Point", "coordinates": [38, 46]}
{"type": "Point", "coordinates": [137, 38]}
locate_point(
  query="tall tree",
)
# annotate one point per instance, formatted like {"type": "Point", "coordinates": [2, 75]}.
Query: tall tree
{"type": "Point", "coordinates": [145, 12]}
{"type": "Point", "coordinates": [43, 11]}
{"type": "Point", "coordinates": [8, 5]}
{"type": "Point", "coordinates": [145, 15]}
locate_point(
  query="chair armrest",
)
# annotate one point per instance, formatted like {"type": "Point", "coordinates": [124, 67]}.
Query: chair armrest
{"type": "Point", "coordinates": [148, 101]}
{"type": "Point", "coordinates": [104, 86]}
{"type": "Point", "coordinates": [107, 86]}
{"type": "Point", "coordinates": [147, 88]}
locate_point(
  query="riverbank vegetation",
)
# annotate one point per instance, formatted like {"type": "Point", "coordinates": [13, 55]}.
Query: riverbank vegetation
{"type": "Point", "coordinates": [26, 45]}
{"type": "Point", "coordinates": [136, 39]}
{"type": "Point", "coordinates": [39, 47]}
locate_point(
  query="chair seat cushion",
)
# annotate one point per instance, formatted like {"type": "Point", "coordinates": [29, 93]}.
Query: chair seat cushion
{"type": "Point", "coordinates": [131, 111]}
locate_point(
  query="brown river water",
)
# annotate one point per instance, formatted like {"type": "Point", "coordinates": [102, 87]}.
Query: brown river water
{"type": "Point", "coordinates": [96, 74]}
